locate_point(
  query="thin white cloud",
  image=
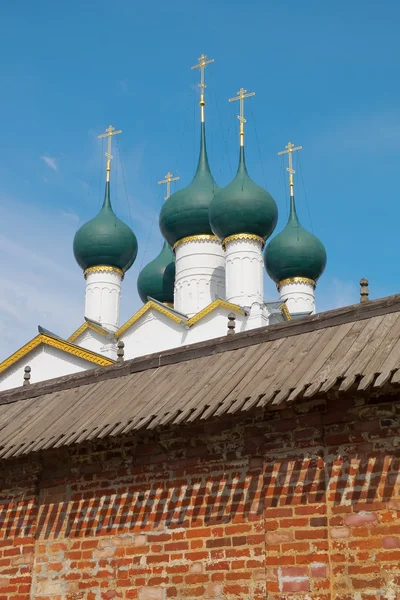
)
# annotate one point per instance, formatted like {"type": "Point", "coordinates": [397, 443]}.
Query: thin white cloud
{"type": "Point", "coordinates": [70, 215]}
{"type": "Point", "coordinates": [123, 84]}
{"type": "Point", "coordinates": [40, 283]}
{"type": "Point", "coordinates": [50, 162]}
{"type": "Point", "coordinates": [334, 293]}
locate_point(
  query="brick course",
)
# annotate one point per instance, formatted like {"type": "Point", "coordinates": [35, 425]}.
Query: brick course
{"type": "Point", "coordinates": [298, 503]}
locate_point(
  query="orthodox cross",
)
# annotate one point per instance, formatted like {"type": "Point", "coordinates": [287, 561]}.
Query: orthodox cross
{"type": "Point", "coordinates": [242, 94]}
{"type": "Point", "coordinates": [110, 131]}
{"type": "Point", "coordinates": [168, 178]}
{"type": "Point", "coordinates": [203, 62]}
{"type": "Point", "coordinates": [289, 149]}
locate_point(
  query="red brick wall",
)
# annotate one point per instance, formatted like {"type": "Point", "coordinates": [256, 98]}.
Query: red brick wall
{"type": "Point", "coordinates": [18, 517]}
{"type": "Point", "coordinates": [301, 503]}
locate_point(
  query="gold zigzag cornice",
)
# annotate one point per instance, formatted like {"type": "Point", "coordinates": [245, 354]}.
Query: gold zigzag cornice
{"type": "Point", "coordinates": [285, 312]}
{"type": "Point", "coordinates": [213, 306]}
{"type": "Point", "coordinates": [196, 238]}
{"type": "Point", "coordinates": [243, 237]}
{"type": "Point", "coordinates": [84, 327]}
{"type": "Point", "coordinates": [88, 355]}
{"type": "Point", "coordinates": [149, 305]}
{"type": "Point", "coordinates": [290, 280]}
{"type": "Point", "coordinates": [103, 269]}
{"type": "Point", "coordinates": [193, 320]}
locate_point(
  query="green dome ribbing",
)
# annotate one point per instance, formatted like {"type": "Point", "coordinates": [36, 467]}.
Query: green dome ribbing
{"type": "Point", "coordinates": [157, 278]}
{"type": "Point", "coordinates": [294, 252]}
{"type": "Point", "coordinates": [185, 213]}
{"type": "Point", "coordinates": [243, 207]}
{"type": "Point", "coordinates": [105, 240]}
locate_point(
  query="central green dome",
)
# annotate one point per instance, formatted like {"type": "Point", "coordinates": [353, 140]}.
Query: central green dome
{"type": "Point", "coordinates": [105, 240]}
{"type": "Point", "coordinates": [157, 279]}
{"type": "Point", "coordinates": [294, 252]}
{"type": "Point", "coordinates": [185, 213]}
{"type": "Point", "coordinates": [243, 207]}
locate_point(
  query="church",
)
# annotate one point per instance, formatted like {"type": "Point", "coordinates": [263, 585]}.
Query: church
{"type": "Point", "coordinates": [215, 446]}
{"type": "Point", "coordinates": [206, 281]}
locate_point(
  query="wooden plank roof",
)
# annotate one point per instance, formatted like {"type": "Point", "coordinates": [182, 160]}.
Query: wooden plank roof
{"type": "Point", "coordinates": [356, 346]}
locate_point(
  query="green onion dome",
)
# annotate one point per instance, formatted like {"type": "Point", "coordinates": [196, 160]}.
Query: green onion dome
{"type": "Point", "coordinates": [243, 207]}
{"type": "Point", "coordinates": [294, 252]}
{"type": "Point", "coordinates": [157, 278]}
{"type": "Point", "coordinates": [185, 213]}
{"type": "Point", "coordinates": [105, 240]}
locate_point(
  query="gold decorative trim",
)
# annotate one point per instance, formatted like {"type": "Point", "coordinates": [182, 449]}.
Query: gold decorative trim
{"type": "Point", "coordinates": [88, 355]}
{"type": "Point", "coordinates": [169, 304]}
{"type": "Point", "coordinates": [296, 280]}
{"type": "Point", "coordinates": [196, 238]}
{"type": "Point", "coordinates": [243, 236]}
{"type": "Point", "coordinates": [150, 304]}
{"type": "Point", "coordinates": [100, 268]}
{"type": "Point", "coordinates": [285, 311]}
{"type": "Point", "coordinates": [84, 327]}
{"type": "Point", "coordinates": [213, 306]}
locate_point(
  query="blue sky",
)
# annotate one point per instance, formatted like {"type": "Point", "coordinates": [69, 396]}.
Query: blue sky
{"type": "Point", "coordinates": [325, 75]}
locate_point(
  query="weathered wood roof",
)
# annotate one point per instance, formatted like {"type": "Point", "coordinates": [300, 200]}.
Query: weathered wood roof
{"type": "Point", "coordinates": [355, 347]}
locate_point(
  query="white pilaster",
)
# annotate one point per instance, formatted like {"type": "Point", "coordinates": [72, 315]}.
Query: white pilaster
{"type": "Point", "coordinates": [244, 269]}
{"type": "Point", "coordinates": [299, 293]}
{"type": "Point", "coordinates": [103, 295]}
{"type": "Point", "coordinates": [200, 273]}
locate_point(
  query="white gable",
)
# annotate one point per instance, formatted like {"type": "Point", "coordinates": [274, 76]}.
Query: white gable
{"type": "Point", "coordinates": [152, 332]}
{"type": "Point", "coordinates": [91, 340]}
{"type": "Point", "coordinates": [46, 362]}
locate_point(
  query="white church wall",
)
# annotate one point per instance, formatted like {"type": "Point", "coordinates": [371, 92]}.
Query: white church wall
{"type": "Point", "coordinates": [91, 340]}
{"type": "Point", "coordinates": [200, 274]}
{"type": "Point", "coordinates": [46, 363]}
{"type": "Point", "coordinates": [244, 270]}
{"type": "Point", "coordinates": [103, 296]}
{"type": "Point", "coordinates": [153, 332]}
{"type": "Point", "coordinates": [212, 326]}
{"type": "Point", "coordinates": [299, 294]}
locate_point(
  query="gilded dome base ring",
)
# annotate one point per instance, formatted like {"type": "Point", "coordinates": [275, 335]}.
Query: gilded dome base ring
{"type": "Point", "coordinates": [290, 280]}
{"type": "Point", "coordinates": [243, 237]}
{"type": "Point", "coordinates": [196, 238]}
{"type": "Point", "coordinates": [103, 268]}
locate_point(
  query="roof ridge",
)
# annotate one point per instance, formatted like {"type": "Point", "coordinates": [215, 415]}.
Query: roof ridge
{"type": "Point", "coordinates": [355, 312]}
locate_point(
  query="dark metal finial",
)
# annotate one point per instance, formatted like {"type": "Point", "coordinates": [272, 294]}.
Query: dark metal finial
{"type": "Point", "coordinates": [120, 351]}
{"type": "Point", "coordinates": [364, 291]}
{"type": "Point", "coordinates": [231, 323]}
{"type": "Point", "coordinates": [27, 375]}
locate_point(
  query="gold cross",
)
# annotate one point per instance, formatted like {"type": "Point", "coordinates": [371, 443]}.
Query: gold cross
{"type": "Point", "coordinates": [289, 149]}
{"type": "Point", "coordinates": [203, 62]}
{"type": "Point", "coordinates": [168, 178]}
{"type": "Point", "coordinates": [110, 131]}
{"type": "Point", "coordinates": [242, 94]}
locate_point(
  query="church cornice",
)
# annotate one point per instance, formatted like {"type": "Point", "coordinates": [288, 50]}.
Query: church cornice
{"type": "Point", "coordinates": [103, 269]}
{"type": "Point", "coordinates": [196, 238]}
{"type": "Point", "coordinates": [213, 306]}
{"type": "Point", "coordinates": [65, 346]}
{"type": "Point", "coordinates": [84, 327]}
{"type": "Point", "coordinates": [285, 312]}
{"type": "Point", "coordinates": [296, 280]}
{"type": "Point", "coordinates": [243, 237]}
{"type": "Point", "coordinates": [149, 305]}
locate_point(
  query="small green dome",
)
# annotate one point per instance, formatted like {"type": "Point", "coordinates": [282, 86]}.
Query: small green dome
{"type": "Point", "coordinates": [105, 240]}
{"type": "Point", "coordinates": [185, 213]}
{"type": "Point", "coordinates": [294, 252]}
{"type": "Point", "coordinates": [157, 278]}
{"type": "Point", "coordinates": [243, 207]}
